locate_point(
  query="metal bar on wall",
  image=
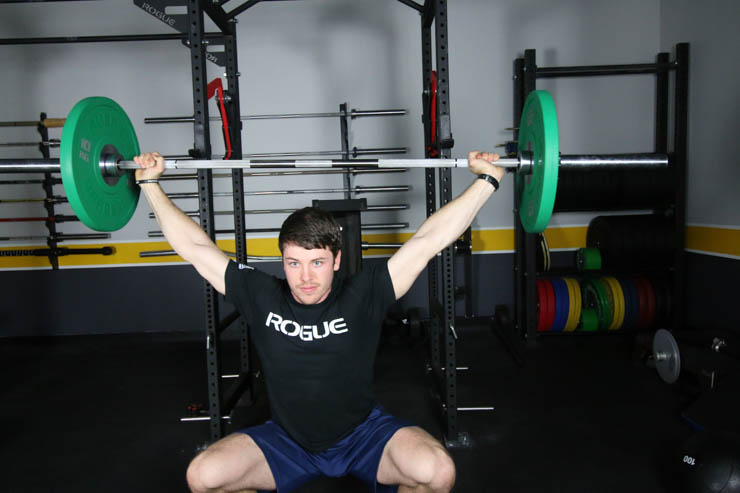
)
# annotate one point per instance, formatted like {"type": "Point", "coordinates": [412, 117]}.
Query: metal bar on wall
{"type": "Point", "coordinates": [600, 70]}
{"type": "Point", "coordinates": [126, 38]}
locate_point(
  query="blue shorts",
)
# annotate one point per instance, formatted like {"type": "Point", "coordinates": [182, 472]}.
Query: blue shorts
{"type": "Point", "coordinates": [358, 454]}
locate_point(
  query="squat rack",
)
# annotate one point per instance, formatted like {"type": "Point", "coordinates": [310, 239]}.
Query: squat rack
{"type": "Point", "coordinates": [441, 279]}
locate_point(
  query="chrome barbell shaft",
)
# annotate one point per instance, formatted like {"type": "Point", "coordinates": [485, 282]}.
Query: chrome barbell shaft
{"type": "Point", "coordinates": [316, 163]}
{"type": "Point", "coordinates": [587, 161]}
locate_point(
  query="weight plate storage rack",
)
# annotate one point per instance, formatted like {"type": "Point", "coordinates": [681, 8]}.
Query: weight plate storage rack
{"type": "Point", "coordinates": [664, 191]}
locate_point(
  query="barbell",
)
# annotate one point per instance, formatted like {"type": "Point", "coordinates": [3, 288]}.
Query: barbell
{"type": "Point", "coordinates": [98, 142]}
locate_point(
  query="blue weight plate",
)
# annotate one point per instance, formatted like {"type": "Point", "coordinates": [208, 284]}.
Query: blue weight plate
{"type": "Point", "coordinates": [631, 303]}
{"type": "Point", "coordinates": [627, 303]}
{"type": "Point", "coordinates": [562, 304]}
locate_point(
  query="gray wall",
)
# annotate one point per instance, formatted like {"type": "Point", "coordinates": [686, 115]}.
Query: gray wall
{"type": "Point", "coordinates": [311, 56]}
{"type": "Point", "coordinates": [714, 165]}
{"type": "Point", "coordinates": [714, 149]}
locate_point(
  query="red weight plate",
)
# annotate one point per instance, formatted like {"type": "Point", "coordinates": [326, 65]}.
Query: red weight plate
{"type": "Point", "coordinates": [650, 294]}
{"type": "Point", "coordinates": [550, 305]}
{"type": "Point", "coordinates": [642, 304]}
{"type": "Point", "coordinates": [541, 305]}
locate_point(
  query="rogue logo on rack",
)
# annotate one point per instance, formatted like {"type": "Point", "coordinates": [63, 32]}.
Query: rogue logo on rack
{"type": "Point", "coordinates": [306, 332]}
{"type": "Point", "coordinates": [159, 14]}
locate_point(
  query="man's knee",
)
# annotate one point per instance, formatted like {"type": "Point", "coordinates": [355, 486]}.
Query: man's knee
{"type": "Point", "coordinates": [203, 474]}
{"type": "Point", "coordinates": [234, 463]}
{"type": "Point", "coordinates": [440, 470]}
{"type": "Point", "coordinates": [433, 468]}
{"type": "Point", "coordinates": [445, 473]}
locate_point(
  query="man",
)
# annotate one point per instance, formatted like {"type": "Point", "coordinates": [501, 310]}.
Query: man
{"type": "Point", "coordinates": [317, 335]}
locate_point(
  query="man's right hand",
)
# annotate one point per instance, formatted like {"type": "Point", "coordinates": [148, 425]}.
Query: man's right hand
{"type": "Point", "coordinates": [485, 163]}
{"type": "Point", "coordinates": [152, 166]}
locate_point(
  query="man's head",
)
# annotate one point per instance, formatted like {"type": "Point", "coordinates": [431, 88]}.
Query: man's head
{"type": "Point", "coordinates": [310, 241]}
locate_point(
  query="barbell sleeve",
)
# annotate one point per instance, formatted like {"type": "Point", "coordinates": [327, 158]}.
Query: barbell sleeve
{"type": "Point", "coordinates": [29, 166]}
{"type": "Point", "coordinates": [613, 161]}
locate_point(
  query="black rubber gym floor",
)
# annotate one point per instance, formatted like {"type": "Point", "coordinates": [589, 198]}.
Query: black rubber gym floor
{"type": "Point", "coordinates": [101, 414]}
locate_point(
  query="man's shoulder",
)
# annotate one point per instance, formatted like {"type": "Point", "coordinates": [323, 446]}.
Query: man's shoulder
{"type": "Point", "coordinates": [243, 273]}
{"type": "Point", "coordinates": [370, 275]}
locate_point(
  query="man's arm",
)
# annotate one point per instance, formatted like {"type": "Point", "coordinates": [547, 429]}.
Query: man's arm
{"type": "Point", "coordinates": [182, 233]}
{"type": "Point", "coordinates": [444, 226]}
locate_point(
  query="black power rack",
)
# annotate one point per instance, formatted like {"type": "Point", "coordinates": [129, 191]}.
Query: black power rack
{"type": "Point", "coordinates": [442, 289]}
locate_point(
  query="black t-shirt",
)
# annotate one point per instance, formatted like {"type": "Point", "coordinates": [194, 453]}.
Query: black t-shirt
{"type": "Point", "coordinates": [317, 359]}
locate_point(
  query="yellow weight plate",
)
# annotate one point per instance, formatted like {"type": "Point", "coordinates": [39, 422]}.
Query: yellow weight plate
{"type": "Point", "coordinates": [579, 302]}
{"type": "Point", "coordinates": [575, 295]}
{"type": "Point", "coordinates": [569, 324]}
{"type": "Point", "coordinates": [618, 302]}
{"type": "Point", "coordinates": [622, 303]}
{"type": "Point", "coordinates": [610, 300]}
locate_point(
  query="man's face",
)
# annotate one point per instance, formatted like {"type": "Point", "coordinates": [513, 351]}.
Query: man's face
{"type": "Point", "coordinates": [309, 272]}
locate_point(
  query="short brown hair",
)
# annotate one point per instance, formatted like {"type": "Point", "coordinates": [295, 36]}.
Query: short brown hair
{"type": "Point", "coordinates": [311, 228]}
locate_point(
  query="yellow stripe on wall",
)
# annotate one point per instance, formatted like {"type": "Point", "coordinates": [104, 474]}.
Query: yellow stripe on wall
{"type": "Point", "coordinates": [566, 237]}
{"type": "Point", "coordinates": [712, 239]}
{"type": "Point", "coordinates": [707, 239]}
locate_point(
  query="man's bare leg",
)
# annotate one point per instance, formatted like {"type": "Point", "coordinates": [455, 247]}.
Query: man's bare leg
{"type": "Point", "coordinates": [417, 462]}
{"type": "Point", "coordinates": [232, 464]}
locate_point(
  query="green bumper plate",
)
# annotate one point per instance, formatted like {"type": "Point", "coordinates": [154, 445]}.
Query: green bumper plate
{"type": "Point", "coordinates": [588, 258]}
{"type": "Point", "coordinates": [538, 133]}
{"type": "Point", "coordinates": [93, 124]}
{"type": "Point", "coordinates": [596, 297]}
{"type": "Point", "coordinates": [589, 320]}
